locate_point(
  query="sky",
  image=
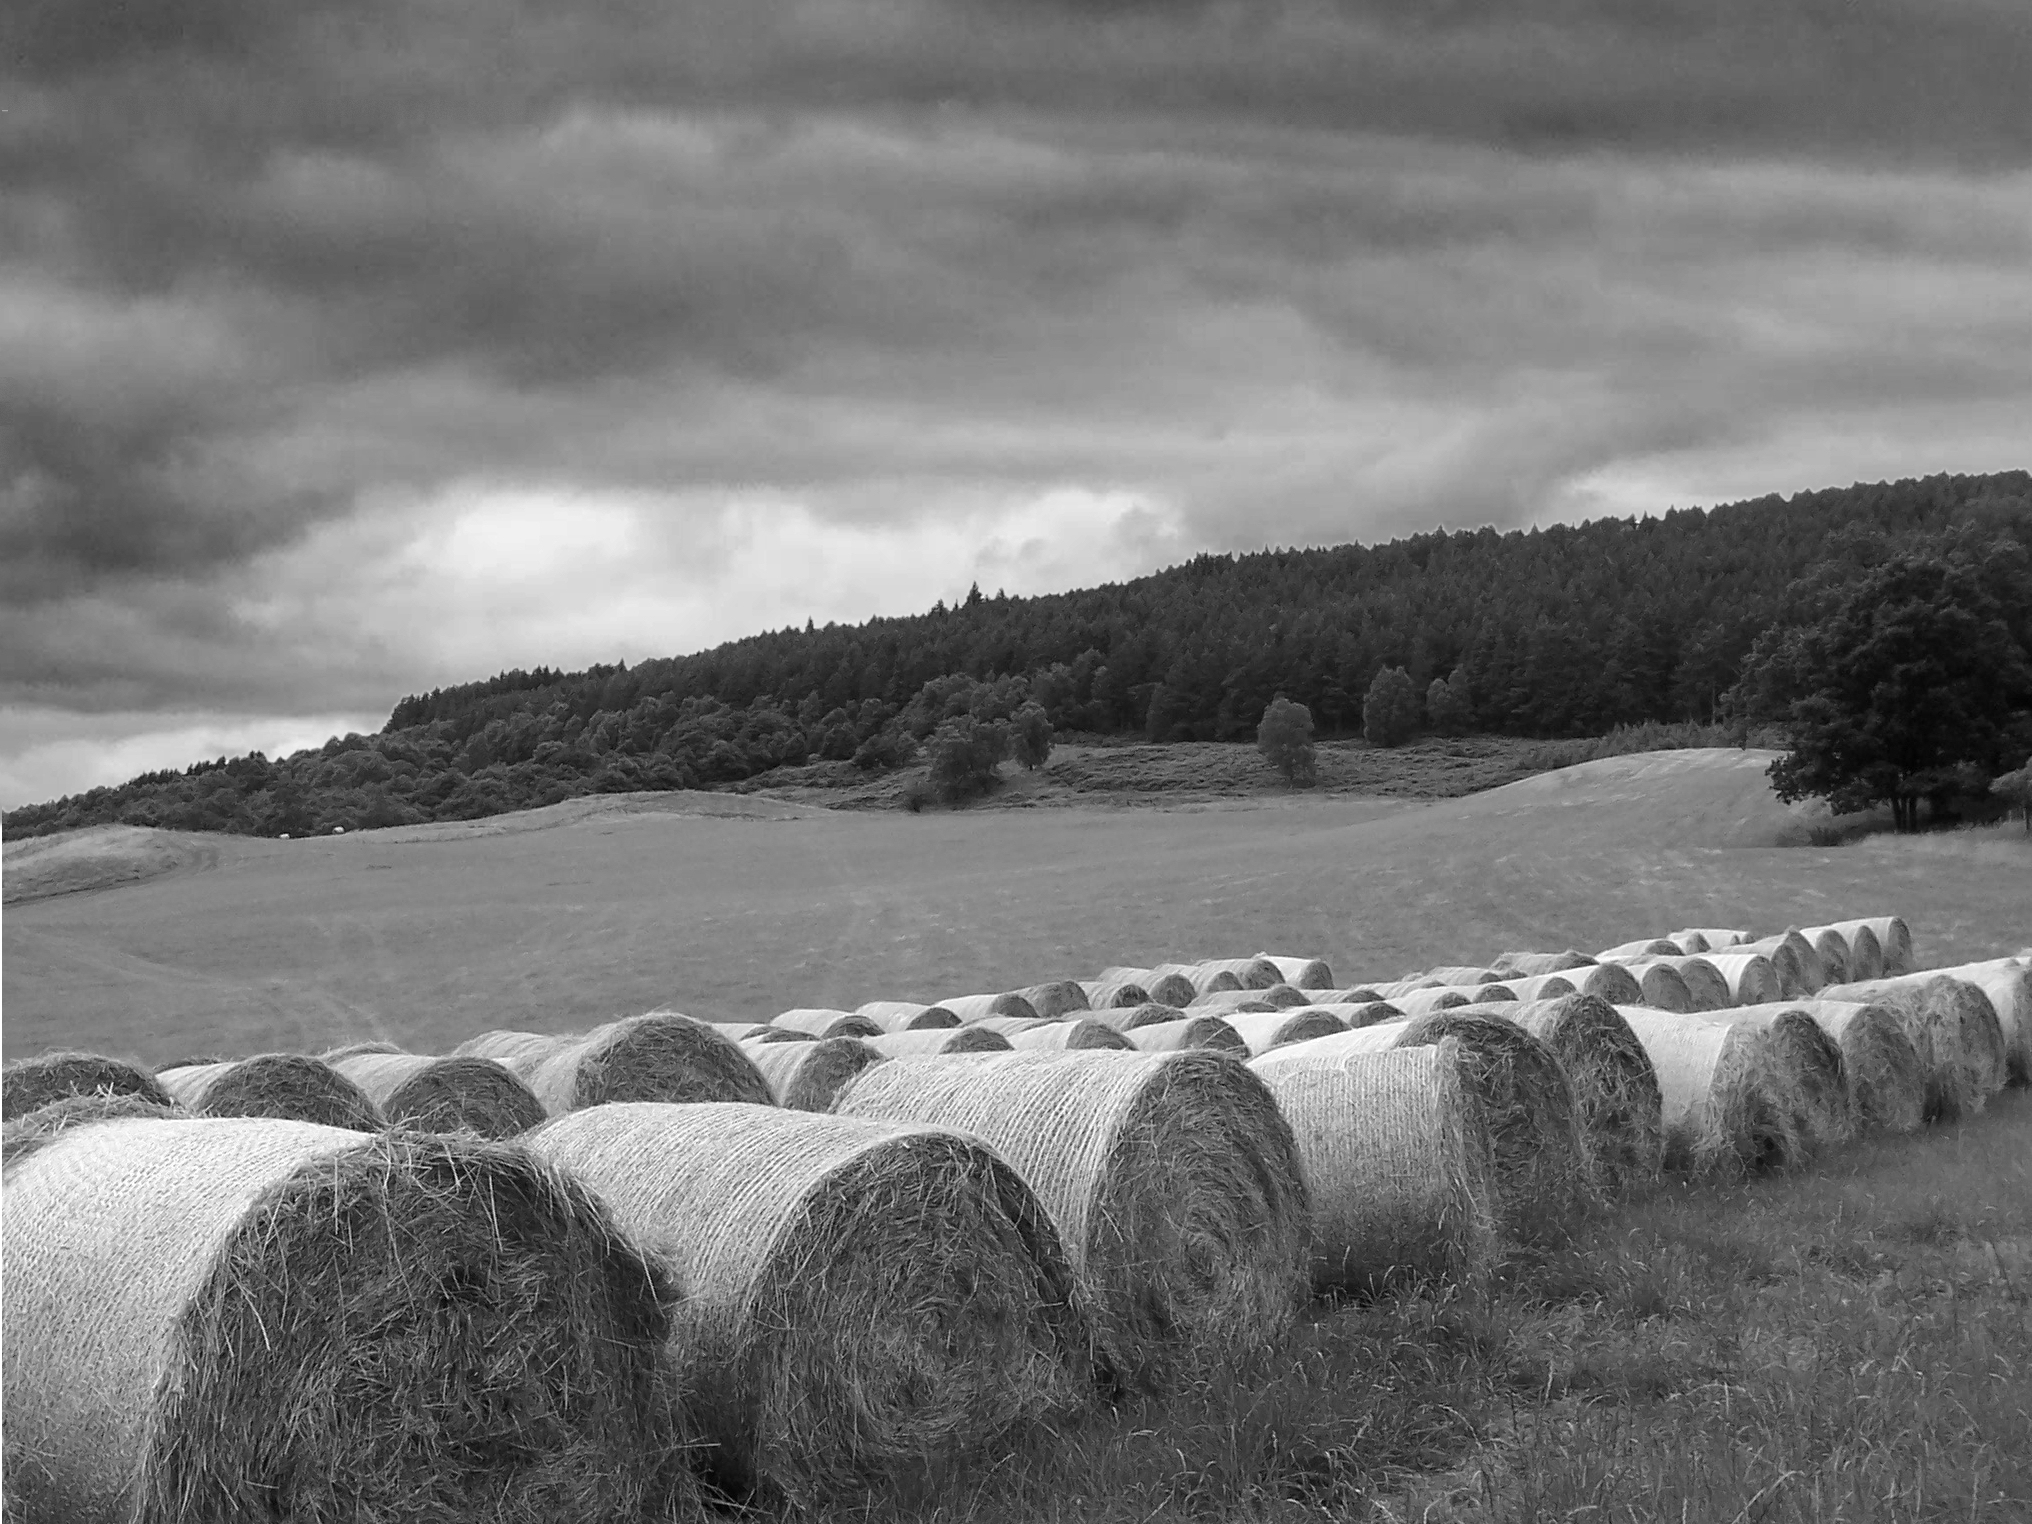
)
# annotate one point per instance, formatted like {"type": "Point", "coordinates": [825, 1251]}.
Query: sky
{"type": "Point", "coordinates": [353, 349]}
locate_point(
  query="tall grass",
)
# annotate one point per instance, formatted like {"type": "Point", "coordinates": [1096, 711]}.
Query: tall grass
{"type": "Point", "coordinates": [1650, 735]}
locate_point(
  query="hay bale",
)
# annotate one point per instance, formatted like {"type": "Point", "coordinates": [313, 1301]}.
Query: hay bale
{"type": "Point", "coordinates": [1057, 997]}
{"type": "Point", "coordinates": [1646, 947]}
{"type": "Point", "coordinates": [807, 1076]}
{"type": "Point", "coordinates": [1124, 1018]}
{"type": "Point", "coordinates": [1306, 973]}
{"type": "Point", "coordinates": [1279, 997]}
{"type": "Point", "coordinates": [1954, 1029]}
{"type": "Point", "coordinates": [863, 1299]}
{"type": "Point", "coordinates": [1354, 994]}
{"type": "Point", "coordinates": [1712, 938]}
{"type": "Point", "coordinates": [453, 1094]}
{"type": "Point", "coordinates": [1363, 1013]}
{"type": "Point", "coordinates": [1253, 973]}
{"type": "Point", "coordinates": [1203, 981]}
{"type": "Point", "coordinates": [1659, 986]}
{"type": "Point", "coordinates": [1724, 1108]}
{"type": "Point", "coordinates": [820, 1021]}
{"type": "Point", "coordinates": [2007, 982]}
{"type": "Point", "coordinates": [1894, 941]}
{"type": "Point", "coordinates": [27, 1084]}
{"type": "Point", "coordinates": [1114, 994]}
{"type": "Point", "coordinates": [1706, 989]}
{"type": "Point", "coordinates": [1887, 1080]}
{"type": "Point", "coordinates": [1164, 989]}
{"type": "Point", "coordinates": [1395, 1153]}
{"type": "Point", "coordinates": [930, 1042]}
{"type": "Point", "coordinates": [1261, 1031]}
{"type": "Point", "coordinates": [972, 1008]}
{"type": "Point", "coordinates": [1862, 954]}
{"type": "Point", "coordinates": [658, 1057]}
{"type": "Point", "coordinates": [1798, 965]}
{"type": "Point", "coordinates": [907, 1015]}
{"type": "Point", "coordinates": [1526, 964]}
{"type": "Point", "coordinates": [521, 1053]}
{"type": "Point", "coordinates": [355, 1049]}
{"type": "Point", "coordinates": [1809, 1061]}
{"type": "Point", "coordinates": [763, 1031]}
{"type": "Point", "coordinates": [1610, 983]}
{"type": "Point", "coordinates": [1009, 1026]}
{"type": "Point", "coordinates": [1615, 1089]}
{"type": "Point", "coordinates": [288, 1086]}
{"type": "Point", "coordinates": [1445, 998]}
{"type": "Point", "coordinates": [1172, 1179]}
{"type": "Point", "coordinates": [1064, 1036]}
{"type": "Point", "coordinates": [1542, 1175]}
{"type": "Point", "coordinates": [1460, 974]}
{"type": "Point", "coordinates": [1751, 978]}
{"type": "Point", "coordinates": [240, 1318]}
{"type": "Point", "coordinates": [1537, 987]}
{"type": "Point", "coordinates": [1210, 1032]}
{"type": "Point", "coordinates": [1834, 953]}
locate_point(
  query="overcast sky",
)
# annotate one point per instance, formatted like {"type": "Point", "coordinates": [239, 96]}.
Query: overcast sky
{"type": "Point", "coordinates": [351, 349]}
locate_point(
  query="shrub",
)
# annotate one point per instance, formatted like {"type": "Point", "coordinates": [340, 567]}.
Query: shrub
{"type": "Point", "coordinates": [964, 754]}
{"type": "Point", "coordinates": [1447, 707]}
{"type": "Point", "coordinates": [1390, 712]}
{"type": "Point", "coordinates": [1030, 736]}
{"type": "Point", "coordinates": [1284, 735]}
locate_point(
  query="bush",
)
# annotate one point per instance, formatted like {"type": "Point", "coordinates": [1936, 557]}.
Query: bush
{"type": "Point", "coordinates": [964, 754]}
{"type": "Point", "coordinates": [1284, 735]}
{"type": "Point", "coordinates": [886, 749]}
{"type": "Point", "coordinates": [1390, 712]}
{"type": "Point", "coordinates": [1447, 707]}
{"type": "Point", "coordinates": [1030, 736]}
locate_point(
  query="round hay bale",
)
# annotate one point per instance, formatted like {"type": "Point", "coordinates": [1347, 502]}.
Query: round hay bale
{"type": "Point", "coordinates": [1252, 973]}
{"type": "Point", "coordinates": [2007, 982]}
{"type": "Point", "coordinates": [1279, 997]}
{"type": "Point", "coordinates": [906, 1015]}
{"type": "Point", "coordinates": [1362, 1013]}
{"type": "Point", "coordinates": [1203, 981]}
{"type": "Point", "coordinates": [1533, 987]}
{"type": "Point", "coordinates": [289, 1086]}
{"type": "Point", "coordinates": [1056, 998]}
{"type": "Point", "coordinates": [1305, 973]}
{"type": "Point", "coordinates": [231, 1318]}
{"type": "Point", "coordinates": [1799, 968]}
{"type": "Point", "coordinates": [805, 1076]}
{"type": "Point", "coordinates": [1615, 1089]}
{"type": "Point", "coordinates": [1126, 1018]}
{"type": "Point", "coordinates": [1354, 994]}
{"type": "Point", "coordinates": [1114, 994]}
{"type": "Point", "coordinates": [1525, 964]}
{"type": "Point", "coordinates": [35, 1129]}
{"type": "Point", "coordinates": [1887, 1080]}
{"type": "Point", "coordinates": [1009, 1026]}
{"type": "Point", "coordinates": [1541, 1161]}
{"type": "Point", "coordinates": [658, 1057]}
{"type": "Point", "coordinates": [1809, 1061]}
{"type": "Point", "coordinates": [355, 1049]}
{"type": "Point", "coordinates": [27, 1084]}
{"type": "Point", "coordinates": [1645, 947]}
{"type": "Point", "coordinates": [1063, 1036]}
{"type": "Point", "coordinates": [1210, 1032]}
{"type": "Point", "coordinates": [520, 1052]}
{"type": "Point", "coordinates": [1954, 1029]}
{"type": "Point", "coordinates": [1261, 1031]}
{"type": "Point", "coordinates": [1164, 989]}
{"type": "Point", "coordinates": [1445, 998]}
{"type": "Point", "coordinates": [1659, 986]}
{"type": "Point", "coordinates": [931, 1042]}
{"type": "Point", "coordinates": [1724, 1110]}
{"type": "Point", "coordinates": [1172, 1179]}
{"type": "Point", "coordinates": [1460, 974]}
{"type": "Point", "coordinates": [1713, 938]}
{"type": "Point", "coordinates": [862, 1299]}
{"type": "Point", "coordinates": [763, 1031]}
{"type": "Point", "coordinates": [972, 1008]}
{"type": "Point", "coordinates": [1894, 942]}
{"type": "Point", "coordinates": [1751, 977]}
{"type": "Point", "coordinates": [1398, 1165]}
{"type": "Point", "coordinates": [1865, 955]}
{"type": "Point", "coordinates": [1832, 949]}
{"type": "Point", "coordinates": [1706, 989]}
{"type": "Point", "coordinates": [454, 1094]}
{"type": "Point", "coordinates": [820, 1022]}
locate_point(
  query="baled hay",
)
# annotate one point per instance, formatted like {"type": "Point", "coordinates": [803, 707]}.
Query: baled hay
{"type": "Point", "coordinates": [907, 1015]}
{"type": "Point", "coordinates": [1724, 1107]}
{"type": "Point", "coordinates": [861, 1298]}
{"type": "Point", "coordinates": [1062, 1036]}
{"type": "Point", "coordinates": [2008, 984]}
{"type": "Point", "coordinates": [1203, 981]}
{"type": "Point", "coordinates": [970, 1008]}
{"type": "Point", "coordinates": [1615, 1089]}
{"type": "Point", "coordinates": [647, 1058]}
{"type": "Point", "coordinates": [27, 1084]}
{"type": "Point", "coordinates": [1610, 983]}
{"type": "Point", "coordinates": [806, 1076]}
{"type": "Point", "coordinates": [288, 1086]}
{"type": "Point", "coordinates": [475, 1095]}
{"type": "Point", "coordinates": [1261, 1031]}
{"type": "Point", "coordinates": [934, 1041]}
{"type": "Point", "coordinates": [1279, 997]}
{"type": "Point", "coordinates": [1172, 1179]}
{"type": "Point", "coordinates": [1124, 1018]}
{"type": "Point", "coordinates": [1528, 963]}
{"type": "Point", "coordinates": [1362, 1013]}
{"type": "Point", "coordinates": [1834, 952]}
{"type": "Point", "coordinates": [1286, 997]}
{"type": "Point", "coordinates": [1646, 947]}
{"type": "Point", "coordinates": [1254, 973]}
{"type": "Point", "coordinates": [1706, 989]}
{"type": "Point", "coordinates": [1539, 987]}
{"type": "Point", "coordinates": [1114, 994]}
{"type": "Point", "coordinates": [1886, 1080]}
{"type": "Point", "coordinates": [1164, 989]}
{"type": "Point", "coordinates": [1057, 997]}
{"type": "Point", "coordinates": [36, 1129]}
{"type": "Point", "coordinates": [1955, 1031]}
{"type": "Point", "coordinates": [1799, 967]}
{"type": "Point", "coordinates": [355, 1049]}
{"type": "Point", "coordinates": [1446, 998]}
{"type": "Point", "coordinates": [1211, 1032]}
{"type": "Point", "coordinates": [1306, 973]}
{"type": "Point", "coordinates": [1009, 1026]}
{"type": "Point", "coordinates": [1398, 1165]}
{"type": "Point", "coordinates": [1356, 994]}
{"type": "Point", "coordinates": [1659, 986]}
{"type": "Point", "coordinates": [1413, 984]}
{"type": "Point", "coordinates": [1461, 974]}
{"type": "Point", "coordinates": [1542, 1172]}
{"type": "Point", "coordinates": [522, 1053]}
{"type": "Point", "coordinates": [1864, 954]}
{"type": "Point", "coordinates": [1713, 938]}
{"type": "Point", "coordinates": [1751, 977]}
{"type": "Point", "coordinates": [820, 1022]}
{"type": "Point", "coordinates": [249, 1318]}
{"type": "Point", "coordinates": [1809, 1061]}
{"type": "Point", "coordinates": [763, 1031]}
{"type": "Point", "coordinates": [1894, 941]}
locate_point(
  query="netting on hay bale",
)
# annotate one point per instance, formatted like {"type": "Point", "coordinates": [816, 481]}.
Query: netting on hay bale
{"type": "Point", "coordinates": [519, 1052]}
{"type": "Point", "coordinates": [288, 1086]}
{"type": "Point", "coordinates": [822, 1022]}
{"type": "Point", "coordinates": [26, 1084]}
{"type": "Point", "coordinates": [1210, 1032]}
{"type": "Point", "coordinates": [1711, 938]}
{"type": "Point", "coordinates": [934, 1041]}
{"type": "Point", "coordinates": [1542, 1173]}
{"type": "Point", "coordinates": [1887, 1079]}
{"type": "Point", "coordinates": [971, 1008]}
{"type": "Point", "coordinates": [1952, 1026]}
{"type": "Point", "coordinates": [1646, 947]}
{"type": "Point", "coordinates": [906, 1015]}
{"type": "Point", "coordinates": [1069, 1036]}
{"type": "Point", "coordinates": [1398, 1166]}
{"type": "Point", "coordinates": [1810, 1062]}
{"type": "Point", "coordinates": [1305, 973]}
{"type": "Point", "coordinates": [1126, 1018]}
{"type": "Point", "coordinates": [1250, 973]}
{"type": "Point", "coordinates": [1362, 1013]}
{"type": "Point", "coordinates": [355, 1049]}
{"type": "Point", "coordinates": [1459, 973]}
{"type": "Point", "coordinates": [1533, 987]}
{"type": "Point", "coordinates": [1163, 988]}
{"type": "Point", "coordinates": [658, 1057]}
{"type": "Point", "coordinates": [1751, 977]}
{"type": "Point", "coordinates": [1525, 964]}
{"type": "Point", "coordinates": [452, 1094]}
{"type": "Point", "coordinates": [1892, 936]}
{"type": "Point", "coordinates": [1009, 1026]}
{"type": "Point", "coordinates": [1114, 994]}
{"type": "Point", "coordinates": [807, 1076]}
{"type": "Point", "coordinates": [1171, 1177]}
{"type": "Point", "coordinates": [1615, 1087]}
{"type": "Point", "coordinates": [1725, 1109]}
{"type": "Point", "coordinates": [1056, 997]}
{"type": "Point", "coordinates": [1447, 997]}
{"type": "Point", "coordinates": [217, 1318]}
{"type": "Point", "coordinates": [1261, 1031]}
{"type": "Point", "coordinates": [1202, 980]}
{"type": "Point", "coordinates": [2007, 982]}
{"type": "Point", "coordinates": [1278, 997]}
{"type": "Point", "coordinates": [762, 1031]}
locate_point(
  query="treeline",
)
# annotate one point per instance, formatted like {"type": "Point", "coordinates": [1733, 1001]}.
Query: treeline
{"type": "Point", "coordinates": [1555, 632]}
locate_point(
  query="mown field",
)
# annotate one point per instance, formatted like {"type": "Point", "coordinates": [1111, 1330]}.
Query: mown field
{"type": "Point", "coordinates": [1851, 1342]}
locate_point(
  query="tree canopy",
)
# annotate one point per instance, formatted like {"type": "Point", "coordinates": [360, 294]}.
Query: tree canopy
{"type": "Point", "coordinates": [1284, 736]}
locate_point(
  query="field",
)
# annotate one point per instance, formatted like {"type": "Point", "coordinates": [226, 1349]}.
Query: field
{"type": "Point", "coordinates": [1853, 1342]}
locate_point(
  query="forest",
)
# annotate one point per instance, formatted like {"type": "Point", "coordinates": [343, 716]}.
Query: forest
{"type": "Point", "coordinates": [1562, 631]}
